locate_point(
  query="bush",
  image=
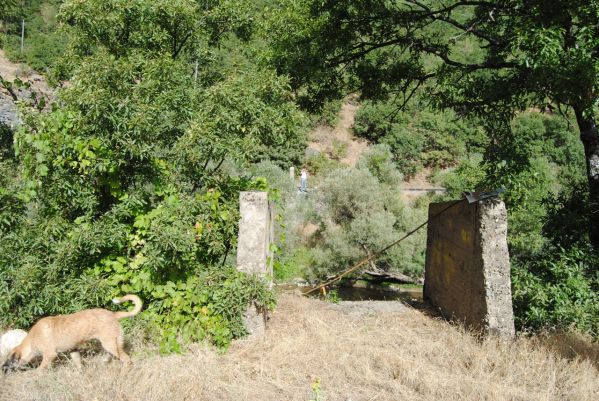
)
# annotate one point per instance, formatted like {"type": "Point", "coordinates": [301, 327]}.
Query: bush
{"type": "Point", "coordinates": [122, 188]}
{"type": "Point", "coordinates": [278, 179]}
{"type": "Point", "coordinates": [467, 176]}
{"type": "Point", "coordinates": [328, 114]}
{"type": "Point", "coordinates": [557, 288]}
{"type": "Point", "coordinates": [419, 137]}
{"type": "Point", "coordinates": [361, 213]}
{"type": "Point", "coordinates": [379, 160]}
{"type": "Point", "coordinates": [318, 163]}
{"type": "Point", "coordinates": [407, 147]}
{"type": "Point", "coordinates": [374, 121]}
{"type": "Point", "coordinates": [171, 255]}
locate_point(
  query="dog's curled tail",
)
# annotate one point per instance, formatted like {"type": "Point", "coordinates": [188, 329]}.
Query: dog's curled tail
{"type": "Point", "coordinates": [129, 297]}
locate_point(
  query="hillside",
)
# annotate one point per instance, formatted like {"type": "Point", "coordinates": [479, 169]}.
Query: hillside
{"type": "Point", "coordinates": [11, 71]}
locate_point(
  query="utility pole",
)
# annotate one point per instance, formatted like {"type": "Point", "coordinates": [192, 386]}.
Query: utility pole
{"type": "Point", "coordinates": [22, 35]}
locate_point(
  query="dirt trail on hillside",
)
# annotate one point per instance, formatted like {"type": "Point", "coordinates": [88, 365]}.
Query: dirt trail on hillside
{"type": "Point", "coordinates": [325, 140]}
{"type": "Point", "coordinates": [340, 142]}
{"type": "Point", "coordinates": [344, 133]}
{"type": "Point", "coordinates": [356, 353]}
{"type": "Point", "coordinates": [10, 71]}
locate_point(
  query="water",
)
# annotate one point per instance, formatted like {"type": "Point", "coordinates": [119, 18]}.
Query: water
{"type": "Point", "coordinates": [369, 293]}
{"type": "Point", "coordinates": [347, 293]}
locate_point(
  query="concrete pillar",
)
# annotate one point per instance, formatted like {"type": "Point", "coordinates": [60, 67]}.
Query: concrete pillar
{"type": "Point", "coordinates": [292, 173]}
{"type": "Point", "coordinates": [254, 256]}
{"type": "Point", "coordinates": [467, 271]}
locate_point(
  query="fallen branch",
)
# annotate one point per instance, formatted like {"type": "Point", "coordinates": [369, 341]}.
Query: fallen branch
{"type": "Point", "coordinates": [380, 275]}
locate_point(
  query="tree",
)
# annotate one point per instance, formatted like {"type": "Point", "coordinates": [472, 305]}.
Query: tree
{"type": "Point", "coordinates": [7, 9]}
{"type": "Point", "coordinates": [121, 186]}
{"type": "Point", "coordinates": [489, 58]}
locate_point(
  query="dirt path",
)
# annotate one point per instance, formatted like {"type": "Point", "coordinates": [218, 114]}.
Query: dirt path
{"type": "Point", "coordinates": [10, 71]}
{"type": "Point", "coordinates": [339, 142]}
{"type": "Point", "coordinates": [327, 140]}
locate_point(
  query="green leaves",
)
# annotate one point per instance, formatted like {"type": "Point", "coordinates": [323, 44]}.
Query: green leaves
{"type": "Point", "coordinates": [557, 289]}
{"type": "Point", "coordinates": [353, 224]}
{"type": "Point", "coordinates": [174, 27]}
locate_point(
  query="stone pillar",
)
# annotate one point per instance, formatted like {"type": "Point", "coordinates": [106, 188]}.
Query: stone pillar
{"type": "Point", "coordinates": [256, 233]}
{"type": "Point", "coordinates": [292, 173]}
{"type": "Point", "coordinates": [467, 271]}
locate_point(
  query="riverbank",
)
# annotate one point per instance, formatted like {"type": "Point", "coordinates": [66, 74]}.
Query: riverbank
{"type": "Point", "coordinates": [354, 350]}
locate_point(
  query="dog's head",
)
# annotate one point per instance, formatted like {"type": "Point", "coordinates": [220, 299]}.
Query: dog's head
{"type": "Point", "coordinates": [12, 362]}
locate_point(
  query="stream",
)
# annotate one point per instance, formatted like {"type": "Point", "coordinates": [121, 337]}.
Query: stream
{"type": "Point", "coordinates": [365, 292]}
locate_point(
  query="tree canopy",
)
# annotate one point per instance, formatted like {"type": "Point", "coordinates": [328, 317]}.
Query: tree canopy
{"type": "Point", "coordinates": [484, 58]}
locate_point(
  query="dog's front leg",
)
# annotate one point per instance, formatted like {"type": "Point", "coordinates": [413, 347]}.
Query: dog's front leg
{"type": "Point", "coordinates": [47, 359]}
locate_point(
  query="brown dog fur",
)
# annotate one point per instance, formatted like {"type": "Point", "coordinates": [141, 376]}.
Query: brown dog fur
{"type": "Point", "coordinates": [63, 333]}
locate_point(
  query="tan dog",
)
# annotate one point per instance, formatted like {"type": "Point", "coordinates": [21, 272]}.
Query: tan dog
{"type": "Point", "coordinates": [63, 333]}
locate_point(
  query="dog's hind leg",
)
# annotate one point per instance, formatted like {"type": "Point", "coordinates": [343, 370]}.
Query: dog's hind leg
{"type": "Point", "coordinates": [114, 345]}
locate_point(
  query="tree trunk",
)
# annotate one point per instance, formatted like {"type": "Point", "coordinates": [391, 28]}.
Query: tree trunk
{"type": "Point", "coordinates": [590, 140]}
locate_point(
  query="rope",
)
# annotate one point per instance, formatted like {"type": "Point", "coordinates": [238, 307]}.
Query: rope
{"type": "Point", "coordinates": [376, 254]}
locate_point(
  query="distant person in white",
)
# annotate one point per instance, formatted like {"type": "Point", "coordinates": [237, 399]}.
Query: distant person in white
{"type": "Point", "coordinates": [304, 180]}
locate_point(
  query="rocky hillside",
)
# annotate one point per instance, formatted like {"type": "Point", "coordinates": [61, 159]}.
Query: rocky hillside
{"type": "Point", "coordinates": [10, 71]}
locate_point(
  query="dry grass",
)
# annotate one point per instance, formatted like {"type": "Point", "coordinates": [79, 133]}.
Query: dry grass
{"type": "Point", "coordinates": [369, 351]}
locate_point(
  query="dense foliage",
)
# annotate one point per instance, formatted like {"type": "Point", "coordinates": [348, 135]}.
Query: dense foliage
{"type": "Point", "coordinates": [43, 42]}
{"type": "Point", "coordinates": [422, 138]}
{"type": "Point", "coordinates": [553, 266]}
{"type": "Point", "coordinates": [487, 61]}
{"type": "Point", "coordinates": [122, 188]}
{"type": "Point", "coordinates": [354, 224]}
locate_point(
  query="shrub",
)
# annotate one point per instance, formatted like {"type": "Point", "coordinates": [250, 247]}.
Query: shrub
{"type": "Point", "coordinates": [338, 149]}
{"type": "Point", "coordinates": [361, 214]}
{"type": "Point", "coordinates": [172, 255]}
{"type": "Point", "coordinates": [329, 113]}
{"type": "Point", "coordinates": [557, 288]}
{"type": "Point", "coordinates": [122, 188]}
{"type": "Point", "coordinates": [374, 121]}
{"type": "Point", "coordinates": [419, 137]}
{"type": "Point", "coordinates": [278, 179]}
{"type": "Point", "coordinates": [379, 160]}
{"type": "Point", "coordinates": [407, 146]}
{"type": "Point", "coordinates": [318, 163]}
{"type": "Point", "coordinates": [467, 176]}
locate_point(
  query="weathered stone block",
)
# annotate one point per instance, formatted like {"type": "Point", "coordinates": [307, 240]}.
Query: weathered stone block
{"type": "Point", "coordinates": [256, 233]}
{"type": "Point", "coordinates": [467, 272]}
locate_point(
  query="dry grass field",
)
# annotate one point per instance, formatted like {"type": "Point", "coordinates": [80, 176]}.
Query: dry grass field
{"type": "Point", "coordinates": [368, 351]}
